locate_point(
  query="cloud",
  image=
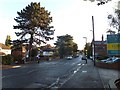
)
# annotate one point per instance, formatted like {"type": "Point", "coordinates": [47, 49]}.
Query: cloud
{"type": "Point", "coordinates": [7, 28]}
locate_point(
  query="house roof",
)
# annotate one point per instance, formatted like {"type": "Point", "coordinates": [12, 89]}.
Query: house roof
{"type": "Point", "coordinates": [3, 46]}
{"type": "Point", "coordinates": [100, 42]}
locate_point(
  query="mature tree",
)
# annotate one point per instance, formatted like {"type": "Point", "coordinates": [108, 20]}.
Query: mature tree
{"type": "Point", "coordinates": [34, 24]}
{"type": "Point", "coordinates": [115, 20]}
{"type": "Point", "coordinates": [88, 49]}
{"type": "Point", "coordinates": [65, 45]}
{"type": "Point", "coordinates": [100, 2]}
{"type": "Point", "coordinates": [111, 31]}
{"type": "Point", "coordinates": [75, 49]}
{"type": "Point", "coordinates": [8, 40]}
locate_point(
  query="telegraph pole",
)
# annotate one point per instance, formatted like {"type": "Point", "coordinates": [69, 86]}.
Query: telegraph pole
{"type": "Point", "coordinates": [93, 43]}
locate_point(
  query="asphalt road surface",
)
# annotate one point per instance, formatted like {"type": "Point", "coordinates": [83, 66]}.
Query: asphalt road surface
{"type": "Point", "coordinates": [47, 74]}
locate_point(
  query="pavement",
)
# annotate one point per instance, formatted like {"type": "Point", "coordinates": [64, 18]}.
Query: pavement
{"type": "Point", "coordinates": [91, 76]}
{"type": "Point", "coordinates": [108, 77]}
{"type": "Point", "coordinates": [3, 67]}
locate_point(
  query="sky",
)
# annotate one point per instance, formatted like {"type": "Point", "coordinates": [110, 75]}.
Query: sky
{"type": "Point", "coordinates": [73, 17]}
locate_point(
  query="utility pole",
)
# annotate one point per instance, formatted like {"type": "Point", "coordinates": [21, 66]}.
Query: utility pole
{"type": "Point", "coordinates": [93, 42]}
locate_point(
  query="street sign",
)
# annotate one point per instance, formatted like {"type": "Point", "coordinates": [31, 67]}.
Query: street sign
{"type": "Point", "coordinates": [113, 44]}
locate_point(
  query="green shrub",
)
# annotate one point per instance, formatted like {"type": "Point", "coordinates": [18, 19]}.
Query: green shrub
{"type": "Point", "coordinates": [7, 59]}
{"type": "Point", "coordinates": [101, 58]}
{"type": "Point", "coordinates": [18, 59]}
{"type": "Point", "coordinates": [98, 60]}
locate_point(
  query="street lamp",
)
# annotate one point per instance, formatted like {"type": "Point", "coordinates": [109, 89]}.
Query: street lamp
{"type": "Point", "coordinates": [85, 39]}
{"type": "Point", "coordinates": [86, 47]}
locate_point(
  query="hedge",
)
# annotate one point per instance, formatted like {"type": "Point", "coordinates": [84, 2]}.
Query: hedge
{"type": "Point", "coordinates": [7, 59]}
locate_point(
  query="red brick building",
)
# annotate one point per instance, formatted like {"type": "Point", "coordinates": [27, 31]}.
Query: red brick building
{"type": "Point", "coordinates": [100, 49]}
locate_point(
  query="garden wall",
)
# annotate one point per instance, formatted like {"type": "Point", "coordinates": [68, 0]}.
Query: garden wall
{"type": "Point", "coordinates": [115, 65]}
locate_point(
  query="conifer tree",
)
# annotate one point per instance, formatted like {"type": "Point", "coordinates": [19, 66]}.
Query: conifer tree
{"type": "Point", "coordinates": [8, 40]}
{"type": "Point", "coordinates": [34, 20]}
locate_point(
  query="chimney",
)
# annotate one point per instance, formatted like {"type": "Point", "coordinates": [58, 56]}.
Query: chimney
{"type": "Point", "coordinates": [102, 38]}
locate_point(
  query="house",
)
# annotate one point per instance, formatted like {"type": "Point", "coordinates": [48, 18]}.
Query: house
{"type": "Point", "coordinates": [4, 50]}
{"type": "Point", "coordinates": [46, 52]}
{"type": "Point", "coordinates": [100, 49]}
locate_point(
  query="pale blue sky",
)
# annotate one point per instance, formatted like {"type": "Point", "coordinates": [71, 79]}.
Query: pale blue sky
{"type": "Point", "coordinates": [71, 17]}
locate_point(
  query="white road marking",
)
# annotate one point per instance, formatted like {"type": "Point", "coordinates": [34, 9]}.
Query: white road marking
{"type": "Point", "coordinates": [75, 71]}
{"type": "Point", "coordinates": [79, 64]}
{"type": "Point", "coordinates": [70, 76]}
{"type": "Point", "coordinates": [84, 71]}
{"type": "Point", "coordinates": [73, 63]}
{"type": "Point", "coordinates": [83, 64]}
{"type": "Point", "coordinates": [54, 83]}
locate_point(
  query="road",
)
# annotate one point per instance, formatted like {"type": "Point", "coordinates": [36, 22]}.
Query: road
{"type": "Point", "coordinates": [47, 74]}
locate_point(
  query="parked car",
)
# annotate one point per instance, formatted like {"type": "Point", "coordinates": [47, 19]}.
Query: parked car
{"type": "Point", "coordinates": [108, 59]}
{"type": "Point", "coordinates": [117, 60]}
{"type": "Point", "coordinates": [75, 56]}
{"type": "Point", "coordinates": [84, 58]}
{"type": "Point", "coordinates": [113, 60]}
{"type": "Point", "coordinates": [91, 57]}
{"type": "Point", "coordinates": [69, 57]}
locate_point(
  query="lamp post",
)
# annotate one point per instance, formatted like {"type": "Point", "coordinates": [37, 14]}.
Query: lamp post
{"type": "Point", "coordinates": [85, 39]}
{"type": "Point", "coordinates": [86, 48]}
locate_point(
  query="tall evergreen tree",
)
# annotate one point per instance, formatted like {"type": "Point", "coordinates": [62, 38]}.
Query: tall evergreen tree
{"type": "Point", "coordinates": [65, 45]}
{"type": "Point", "coordinates": [34, 21]}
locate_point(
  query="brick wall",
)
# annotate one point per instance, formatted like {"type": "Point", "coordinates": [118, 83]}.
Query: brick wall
{"type": "Point", "coordinates": [108, 65]}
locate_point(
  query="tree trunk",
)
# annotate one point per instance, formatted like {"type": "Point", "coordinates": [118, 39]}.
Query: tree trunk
{"type": "Point", "coordinates": [30, 46]}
